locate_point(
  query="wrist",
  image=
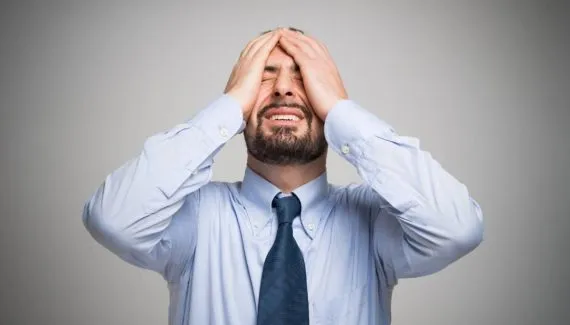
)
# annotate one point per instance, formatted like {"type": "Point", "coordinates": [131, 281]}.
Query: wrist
{"type": "Point", "coordinates": [242, 104]}
{"type": "Point", "coordinates": [328, 108]}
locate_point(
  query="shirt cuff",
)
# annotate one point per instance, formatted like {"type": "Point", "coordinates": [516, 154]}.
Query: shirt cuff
{"type": "Point", "coordinates": [221, 120]}
{"type": "Point", "coordinates": [348, 126]}
{"type": "Point", "coordinates": [191, 145]}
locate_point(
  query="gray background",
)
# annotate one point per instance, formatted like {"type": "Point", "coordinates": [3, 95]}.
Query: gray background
{"type": "Point", "coordinates": [484, 85]}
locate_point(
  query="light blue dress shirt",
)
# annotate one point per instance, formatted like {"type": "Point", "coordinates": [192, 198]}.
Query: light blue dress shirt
{"type": "Point", "coordinates": [161, 211]}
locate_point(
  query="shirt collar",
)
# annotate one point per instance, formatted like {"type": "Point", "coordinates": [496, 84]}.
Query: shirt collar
{"type": "Point", "coordinates": [258, 194]}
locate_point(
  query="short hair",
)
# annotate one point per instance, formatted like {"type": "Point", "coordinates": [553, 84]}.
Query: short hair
{"type": "Point", "coordinates": [290, 28]}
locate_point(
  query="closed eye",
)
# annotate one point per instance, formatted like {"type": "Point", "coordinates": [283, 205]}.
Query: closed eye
{"type": "Point", "coordinates": [273, 78]}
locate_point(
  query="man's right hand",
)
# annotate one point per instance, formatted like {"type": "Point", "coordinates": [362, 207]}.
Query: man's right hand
{"type": "Point", "coordinates": [245, 79]}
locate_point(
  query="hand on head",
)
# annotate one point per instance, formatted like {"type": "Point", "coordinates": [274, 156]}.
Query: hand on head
{"type": "Point", "coordinates": [245, 78]}
{"type": "Point", "coordinates": [321, 79]}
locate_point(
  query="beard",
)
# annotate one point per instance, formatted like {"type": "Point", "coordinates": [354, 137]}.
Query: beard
{"type": "Point", "coordinates": [282, 146]}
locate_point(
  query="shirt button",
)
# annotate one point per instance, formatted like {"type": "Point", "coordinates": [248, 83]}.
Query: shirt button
{"type": "Point", "coordinates": [223, 132]}
{"type": "Point", "coordinates": [311, 226]}
{"type": "Point", "coordinates": [345, 149]}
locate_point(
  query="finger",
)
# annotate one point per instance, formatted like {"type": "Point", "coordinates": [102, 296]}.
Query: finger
{"type": "Point", "coordinates": [254, 41]}
{"type": "Point", "coordinates": [321, 45]}
{"type": "Point", "coordinates": [300, 44]}
{"type": "Point", "coordinates": [263, 49]}
{"type": "Point", "coordinates": [292, 48]}
{"type": "Point", "coordinates": [316, 44]}
{"type": "Point", "coordinates": [247, 49]}
{"type": "Point", "coordinates": [306, 43]}
{"type": "Point", "coordinates": [297, 50]}
{"type": "Point", "coordinates": [269, 37]}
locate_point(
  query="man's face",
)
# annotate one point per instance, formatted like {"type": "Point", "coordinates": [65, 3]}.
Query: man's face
{"type": "Point", "coordinates": [283, 128]}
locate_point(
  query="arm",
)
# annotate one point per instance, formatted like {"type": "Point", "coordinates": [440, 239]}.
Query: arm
{"type": "Point", "coordinates": [423, 218]}
{"type": "Point", "coordinates": [146, 211]}
{"type": "Point", "coordinates": [132, 211]}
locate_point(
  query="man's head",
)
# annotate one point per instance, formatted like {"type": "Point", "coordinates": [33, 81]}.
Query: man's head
{"type": "Point", "coordinates": [283, 129]}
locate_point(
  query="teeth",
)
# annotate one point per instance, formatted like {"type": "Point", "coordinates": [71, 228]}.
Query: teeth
{"type": "Point", "coordinates": [285, 117]}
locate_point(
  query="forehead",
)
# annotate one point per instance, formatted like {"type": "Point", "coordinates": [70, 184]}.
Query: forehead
{"type": "Point", "coordinates": [278, 57]}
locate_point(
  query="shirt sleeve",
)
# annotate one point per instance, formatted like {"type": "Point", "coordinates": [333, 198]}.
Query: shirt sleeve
{"type": "Point", "coordinates": [423, 218]}
{"type": "Point", "coordinates": [139, 209]}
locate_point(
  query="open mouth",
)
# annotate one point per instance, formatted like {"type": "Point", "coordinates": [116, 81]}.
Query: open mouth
{"type": "Point", "coordinates": [284, 116]}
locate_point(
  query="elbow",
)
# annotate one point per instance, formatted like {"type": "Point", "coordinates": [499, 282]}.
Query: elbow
{"type": "Point", "coordinates": [106, 231]}
{"type": "Point", "coordinates": [469, 235]}
{"type": "Point", "coordinates": [468, 239]}
{"type": "Point", "coordinates": [449, 244]}
{"type": "Point", "coordinates": [94, 221]}
{"type": "Point", "coordinates": [100, 225]}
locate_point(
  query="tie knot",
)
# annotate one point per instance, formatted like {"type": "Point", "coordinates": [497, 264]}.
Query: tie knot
{"type": "Point", "coordinates": [287, 207]}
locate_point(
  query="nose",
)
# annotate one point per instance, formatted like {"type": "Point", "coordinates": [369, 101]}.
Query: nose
{"type": "Point", "coordinates": [283, 86]}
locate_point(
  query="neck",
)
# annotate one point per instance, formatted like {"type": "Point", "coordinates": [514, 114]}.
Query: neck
{"type": "Point", "coordinates": [289, 177]}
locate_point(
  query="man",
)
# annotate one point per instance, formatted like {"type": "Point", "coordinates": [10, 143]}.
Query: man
{"type": "Point", "coordinates": [284, 246]}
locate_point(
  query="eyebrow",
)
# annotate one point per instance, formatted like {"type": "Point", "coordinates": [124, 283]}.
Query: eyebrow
{"type": "Point", "coordinates": [273, 69]}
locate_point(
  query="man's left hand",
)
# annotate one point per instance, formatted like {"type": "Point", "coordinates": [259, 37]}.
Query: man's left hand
{"type": "Point", "coordinates": [321, 78]}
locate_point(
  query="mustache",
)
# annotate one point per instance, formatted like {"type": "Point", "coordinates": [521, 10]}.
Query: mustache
{"type": "Point", "coordinates": [303, 108]}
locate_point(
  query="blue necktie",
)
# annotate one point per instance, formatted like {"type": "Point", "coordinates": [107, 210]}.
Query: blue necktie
{"type": "Point", "coordinates": [283, 296]}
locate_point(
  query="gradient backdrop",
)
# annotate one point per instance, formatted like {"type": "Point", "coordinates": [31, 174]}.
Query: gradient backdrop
{"type": "Point", "coordinates": [483, 84]}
